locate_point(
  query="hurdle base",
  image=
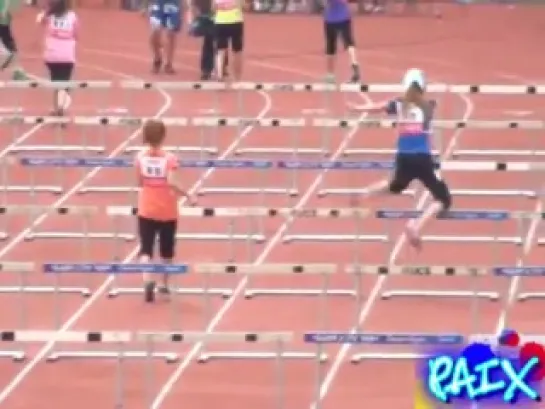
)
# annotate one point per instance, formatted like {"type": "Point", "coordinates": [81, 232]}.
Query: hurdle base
{"type": "Point", "coordinates": [179, 149]}
{"type": "Point", "coordinates": [492, 296]}
{"type": "Point", "coordinates": [357, 358]}
{"type": "Point", "coordinates": [530, 296]}
{"type": "Point", "coordinates": [16, 356]}
{"type": "Point", "coordinates": [298, 292]}
{"type": "Point", "coordinates": [77, 235]}
{"type": "Point", "coordinates": [86, 292]}
{"type": "Point", "coordinates": [247, 191]}
{"type": "Point", "coordinates": [108, 189]}
{"type": "Point", "coordinates": [281, 151]}
{"type": "Point", "coordinates": [34, 189]}
{"type": "Point", "coordinates": [290, 238]}
{"type": "Point", "coordinates": [354, 191]}
{"type": "Point", "coordinates": [169, 357]}
{"type": "Point", "coordinates": [57, 148]}
{"type": "Point", "coordinates": [233, 355]}
{"type": "Point", "coordinates": [223, 292]}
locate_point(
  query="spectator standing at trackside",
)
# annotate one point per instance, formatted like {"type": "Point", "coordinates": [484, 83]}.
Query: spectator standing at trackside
{"type": "Point", "coordinates": [204, 21]}
{"type": "Point", "coordinates": [338, 21]}
{"type": "Point", "coordinates": [8, 41]}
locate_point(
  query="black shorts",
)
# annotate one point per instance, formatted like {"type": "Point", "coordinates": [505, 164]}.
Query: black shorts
{"type": "Point", "coordinates": [149, 230]}
{"type": "Point", "coordinates": [230, 34]}
{"type": "Point", "coordinates": [419, 166]}
{"type": "Point", "coordinates": [6, 38]}
{"type": "Point", "coordinates": [60, 71]}
{"type": "Point", "coordinates": [332, 32]}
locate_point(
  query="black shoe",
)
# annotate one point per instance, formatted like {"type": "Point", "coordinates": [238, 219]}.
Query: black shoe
{"type": "Point", "coordinates": [149, 292]}
{"type": "Point", "coordinates": [156, 67]}
{"type": "Point", "coordinates": [356, 77]}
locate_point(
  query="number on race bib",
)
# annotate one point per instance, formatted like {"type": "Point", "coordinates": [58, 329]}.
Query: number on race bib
{"type": "Point", "coordinates": [61, 23]}
{"type": "Point", "coordinates": [153, 171]}
{"type": "Point", "coordinates": [155, 168]}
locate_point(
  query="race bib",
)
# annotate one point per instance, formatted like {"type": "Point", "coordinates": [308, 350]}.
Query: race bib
{"type": "Point", "coordinates": [154, 168]}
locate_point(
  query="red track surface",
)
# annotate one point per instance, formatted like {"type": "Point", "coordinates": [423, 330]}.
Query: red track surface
{"type": "Point", "coordinates": [459, 49]}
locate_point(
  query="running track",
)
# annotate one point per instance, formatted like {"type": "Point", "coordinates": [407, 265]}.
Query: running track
{"type": "Point", "coordinates": [444, 50]}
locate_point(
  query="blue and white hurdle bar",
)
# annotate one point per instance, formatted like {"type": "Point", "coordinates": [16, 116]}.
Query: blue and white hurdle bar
{"type": "Point", "coordinates": [122, 340]}
{"type": "Point", "coordinates": [282, 269]}
{"type": "Point", "coordinates": [254, 216]}
{"type": "Point", "coordinates": [207, 271]}
{"type": "Point", "coordinates": [292, 167]}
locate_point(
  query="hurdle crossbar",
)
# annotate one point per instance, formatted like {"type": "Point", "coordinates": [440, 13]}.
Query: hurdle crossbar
{"type": "Point", "coordinates": [178, 149]}
{"type": "Point", "coordinates": [385, 339]}
{"type": "Point", "coordinates": [126, 337]}
{"type": "Point", "coordinates": [269, 122]}
{"type": "Point", "coordinates": [456, 153]}
{"type": "Point", "coordinates": [323, 270]}
{"type": "Point", "coordinates": [453, 192]}
{"type": "Point", "coordinates": [24, 268]}
{"type": "Point", "coordinates": [321, 87]}
{"type": "Point", "coordinates": [522, 271]}
{"type": "Point", "coordinates": [417, 270]}
{"type": "Point", "coordinates": [489, 89]}
{"type": "Point", "coordinates": [90, 162]}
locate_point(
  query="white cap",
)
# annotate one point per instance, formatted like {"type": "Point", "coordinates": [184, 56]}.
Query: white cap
{"type": "Point", "coordinates": [414, 75]}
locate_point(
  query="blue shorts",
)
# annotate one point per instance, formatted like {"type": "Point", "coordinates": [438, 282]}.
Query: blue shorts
{"type": "Point", "coordinates": [167, 16]}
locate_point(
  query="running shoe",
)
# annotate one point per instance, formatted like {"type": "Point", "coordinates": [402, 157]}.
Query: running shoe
{"type": "Point", "coordinates": [19, 75]}
{"type": "Point", "coordinates": [330, 78]}
{"type": "Point", "coordinates": [156, 66]}
{"type": "Point", "coordinates": [149, 292]}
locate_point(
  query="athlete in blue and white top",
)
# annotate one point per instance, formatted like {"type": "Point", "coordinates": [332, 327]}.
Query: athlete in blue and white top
{"type": "Point", "coordinates": [164, 15]}
{"type": "Point", "coordinates": [414, 159]}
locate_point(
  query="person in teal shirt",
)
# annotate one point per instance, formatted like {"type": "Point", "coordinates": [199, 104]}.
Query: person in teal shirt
{"type": "Point", "coordinates": [8, 41]}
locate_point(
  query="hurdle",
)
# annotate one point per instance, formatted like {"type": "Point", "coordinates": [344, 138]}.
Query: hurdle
{"type": "Point", "coordinates": [60, 268]}
{"type": "Point", "coordinates": [278, 341]}
{"type": "Point", "coordinates": [22, 269]}
{"type": "Point", "coordinates": [250, 215]}
{"type": "Point", "coordinates": [323, 270]}
{"type": "Point", "coordinates": [497, 216]}
{"type": "Point", "coordinates": [32, 211]}
{"type": "Point", "coordinates": [520, 271]}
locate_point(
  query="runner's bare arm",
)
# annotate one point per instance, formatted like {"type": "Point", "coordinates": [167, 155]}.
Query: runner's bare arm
{"type": "Point", "coordinates": [380, 107]}
{"type": "Point", "coordinates": [174, 182]}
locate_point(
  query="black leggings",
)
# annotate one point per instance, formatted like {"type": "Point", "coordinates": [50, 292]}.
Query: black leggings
{"type": "Point", "coordinates": [419, 166]}
{"type": "Point", "coordinates": [332, 32]}
{"type": "Point", "coordinates": [149, 229]}
{"type": "Point", "coordinates": [60, 71]}
{"type": "Point", "coordinates": [6, 37]}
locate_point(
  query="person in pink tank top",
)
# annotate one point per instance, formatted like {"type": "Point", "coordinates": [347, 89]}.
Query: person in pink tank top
{"type": "Point", "coordinates": [60, 31]}
{"type": "Point", "coordinates": [157, 202]}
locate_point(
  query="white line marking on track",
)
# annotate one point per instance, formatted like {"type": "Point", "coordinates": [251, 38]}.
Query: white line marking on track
{"type": "Point", "coordinates": [42, 352]}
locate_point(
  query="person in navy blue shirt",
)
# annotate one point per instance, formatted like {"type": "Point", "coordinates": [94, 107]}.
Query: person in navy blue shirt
{"type": "Point", "coordinates": [338, 21]}
{"type": "Point", "coordinates": [164, 15]}
{"type": "Point", "coordinates": [414, 158]}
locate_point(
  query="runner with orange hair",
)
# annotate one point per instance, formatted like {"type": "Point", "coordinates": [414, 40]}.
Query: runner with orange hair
{"type": "Point", "coordinates": [157, 202]}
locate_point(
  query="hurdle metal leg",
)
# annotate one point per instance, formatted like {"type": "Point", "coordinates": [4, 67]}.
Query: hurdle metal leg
{"type": "Point", "coordinates": [86, 292]}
